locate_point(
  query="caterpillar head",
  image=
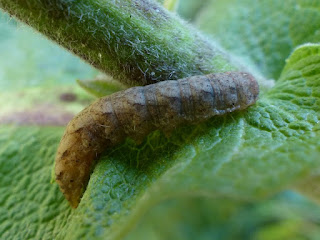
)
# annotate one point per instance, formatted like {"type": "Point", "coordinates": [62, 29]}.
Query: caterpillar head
{"type": "Point", "coordinates": [249, 91]}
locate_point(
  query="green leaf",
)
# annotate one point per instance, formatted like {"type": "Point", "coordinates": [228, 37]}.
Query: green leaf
{"type": "Point", "coordinates": [248, 156]}
{"type": "Point", "coordinates": [245, 157]}
{"type": "Point", "coordinates": [171, 5]}
{"type": "Point", "coordinates": [285, 216]}
{"type": "Point", "coordinates": [189, 9]}
{"type": "Point", "coordinates": [264, 32]}
{"type": "Point", "coordinates": [101, 86]}
{"type": "Point", "coordinates": [31, 207]}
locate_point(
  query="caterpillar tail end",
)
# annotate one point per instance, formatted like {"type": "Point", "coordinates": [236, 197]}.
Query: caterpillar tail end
{"type": "Point", "coordinates": [74, 163]}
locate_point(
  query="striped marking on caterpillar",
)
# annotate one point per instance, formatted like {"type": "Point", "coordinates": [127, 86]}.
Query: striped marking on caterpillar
{"type": "Point", "coordinates": [136, 112]}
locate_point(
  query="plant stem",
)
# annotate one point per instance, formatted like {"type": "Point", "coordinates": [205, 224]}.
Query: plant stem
{"type": "Point", "coordinates": [137, 42]}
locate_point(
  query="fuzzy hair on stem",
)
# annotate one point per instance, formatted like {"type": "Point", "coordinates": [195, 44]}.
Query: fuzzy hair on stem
{"type": "Point", "coordinates": [137, 42]}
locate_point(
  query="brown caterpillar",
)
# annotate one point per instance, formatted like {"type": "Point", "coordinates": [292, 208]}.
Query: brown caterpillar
{"type": "Point", "coordinates": [137, 111]}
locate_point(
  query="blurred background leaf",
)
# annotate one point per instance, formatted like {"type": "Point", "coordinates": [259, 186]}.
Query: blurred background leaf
{"type": "Point", "coordinates": [28, 59]}
{"type": "Point", "coordinates": [37, 78]}
{"type": "Point", "coordinates": [263, 33]}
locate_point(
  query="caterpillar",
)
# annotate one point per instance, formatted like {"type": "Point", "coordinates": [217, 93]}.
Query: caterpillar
{"type": "Point", "coordinates": [136, 112]}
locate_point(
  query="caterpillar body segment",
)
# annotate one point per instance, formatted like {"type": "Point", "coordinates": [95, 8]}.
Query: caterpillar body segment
{"type": "Point", "coordinates": [136, 112]}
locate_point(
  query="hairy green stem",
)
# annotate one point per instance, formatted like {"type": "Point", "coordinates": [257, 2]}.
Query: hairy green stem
{"type": "Point", "coordinates": [137, 42]}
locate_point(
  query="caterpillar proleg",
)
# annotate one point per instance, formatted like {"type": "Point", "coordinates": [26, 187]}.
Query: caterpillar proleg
{"type": "Point", "coordinates": [137, 111]}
